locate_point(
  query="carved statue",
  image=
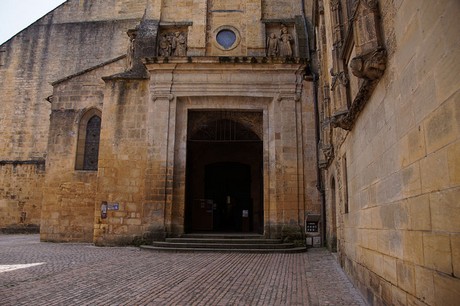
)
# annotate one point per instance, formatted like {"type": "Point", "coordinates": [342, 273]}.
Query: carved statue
{"type": "Point", "coordinates": [164, 48]}
{"type": "Point", "coordinates": [285, 49]}
{"type": "Point", "coordinates": [180, 44]}
{"type": "Point", "coordinates": [369, 66]}
{"type": "Point", "coordinates": [272, 45]}
{"type": "Point", "coordinates": [130, 52]}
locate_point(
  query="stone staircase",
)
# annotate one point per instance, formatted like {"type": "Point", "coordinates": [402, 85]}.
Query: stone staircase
{"type": "Point", "coordinates": [240, 243]}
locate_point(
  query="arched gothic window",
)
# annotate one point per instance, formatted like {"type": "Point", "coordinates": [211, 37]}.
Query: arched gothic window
{"type": "Point", "coordinates": [88, 141]}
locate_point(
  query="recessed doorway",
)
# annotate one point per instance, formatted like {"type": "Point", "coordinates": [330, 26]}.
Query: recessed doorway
{"type": "Point", "coordinates": [224, 191]}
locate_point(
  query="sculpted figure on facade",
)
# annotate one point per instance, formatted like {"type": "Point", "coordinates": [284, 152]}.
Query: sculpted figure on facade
{"type": "Point", "coordinates": [179, 44]}
{"type": "Point", "coordinates": [272, 45]}
{"type": "Point", "coordinates": [164, 47]}
{"type": "Point", "coordinates": [130, 52]}
{"type": "Point", "coordinates": [285, 49]}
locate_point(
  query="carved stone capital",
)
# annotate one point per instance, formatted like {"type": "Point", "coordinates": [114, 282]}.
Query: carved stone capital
{"type": "Point", "coordinates": [369, 66]}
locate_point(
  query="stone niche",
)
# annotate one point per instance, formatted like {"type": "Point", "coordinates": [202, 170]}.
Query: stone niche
{"type": "Point", "coordinates": [172, 41]}
{"type": "Point", "coordinates": [281, 40]}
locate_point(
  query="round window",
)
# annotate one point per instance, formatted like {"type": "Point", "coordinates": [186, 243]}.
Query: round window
{"type": "Point", "coordinates": [226, 38]}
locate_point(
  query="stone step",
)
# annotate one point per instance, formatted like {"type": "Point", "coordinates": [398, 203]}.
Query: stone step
{"type": "Point", "coordinates": [223, 236]}
{"type": "Point", "coordinates": [224, 240]}
{"type": "Point", "coordinates": [222, 245]}
{"type": "Point", "coordinates": [217, 250]}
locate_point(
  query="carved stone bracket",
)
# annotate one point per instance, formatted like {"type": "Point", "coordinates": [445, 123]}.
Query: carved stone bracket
{"type": "Point", "coordinates": [369, 66]}
{"type": "Point", "coordinates": [347, 120]}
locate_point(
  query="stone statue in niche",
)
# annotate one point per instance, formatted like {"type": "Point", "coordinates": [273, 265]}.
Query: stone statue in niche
{"type": "Point", "coordinates": [172, 44]}
{"type": "Point", "coordinates": [272, 45]}
{"type": "Point", "coordinates": [130, 52]}
{"type": "Point", "coordinates": [179, 44]}
{"type": "Point", "coordinates": [285, 49]}
{"type": "Point", "coordinates": [164, 47]}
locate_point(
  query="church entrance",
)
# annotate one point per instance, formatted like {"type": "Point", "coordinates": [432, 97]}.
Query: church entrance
{"type": "Point", "coordinates": [224, 173]}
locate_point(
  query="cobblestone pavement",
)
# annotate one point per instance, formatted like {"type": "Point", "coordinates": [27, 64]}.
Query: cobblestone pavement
{"type": "Point", "coordinates": [34, 273]}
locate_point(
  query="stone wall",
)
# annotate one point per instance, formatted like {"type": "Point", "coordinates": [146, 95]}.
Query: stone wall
{"type": "Point", "coordinates": [125, 166]}
{"type": "Point", "coordinates": [21, 193]}
{"type": "Point", "coordinates": [396, 172]}
{"type": "Point", "coordinates": [69, 194]}
{"type": "Point", "coordinates": [75, 36]}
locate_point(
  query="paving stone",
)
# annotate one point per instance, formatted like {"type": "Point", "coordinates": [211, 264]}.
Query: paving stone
{"type": "Point", "coordinates": [83, 274]}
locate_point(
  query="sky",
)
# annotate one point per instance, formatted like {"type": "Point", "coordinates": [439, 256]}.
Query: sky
{"type": "Point", "coordinates": [16, 15]}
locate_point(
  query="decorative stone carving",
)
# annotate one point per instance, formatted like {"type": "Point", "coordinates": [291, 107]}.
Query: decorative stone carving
{"type": "Point", "coordinates": [164, 47]}
{"type": "Point", "coordinates": [347, 120]}
{"type": "Point", "coordinates": [130, 52]}
{"type": "Point", "coordinates": [280, 46]}
{"type": "Point", "coordinates": [285, 49]}
{"type": "Point", "coordinates": [336, 13]}
{"type": "Point", "coordinates": [365, 40]}
{"type": "Point", "coordinates": [369, 66]}
{"type": "Point", "coordinates": [172, 44]}
{"type": "Point", "coordinates": [179, 44]}
{"type": "Point", "coordinates": [272, 45]}
{"type": "Point", "coordinates": [339, 78]}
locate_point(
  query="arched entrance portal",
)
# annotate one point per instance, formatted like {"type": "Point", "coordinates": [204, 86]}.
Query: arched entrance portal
{"type": "Point", "coordinates": [224, 172]}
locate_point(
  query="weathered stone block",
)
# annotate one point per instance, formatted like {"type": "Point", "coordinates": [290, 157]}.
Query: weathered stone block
{"type": "Point", "coordinates": [445, 210]}
{"type": "Point", "coordinates": [437, 252]}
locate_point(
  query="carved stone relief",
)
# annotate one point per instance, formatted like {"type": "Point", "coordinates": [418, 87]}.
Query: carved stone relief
{"type": "Point", "coordinates": [280, 41]}
{"type": "Point", "coordinates": [172, 42]}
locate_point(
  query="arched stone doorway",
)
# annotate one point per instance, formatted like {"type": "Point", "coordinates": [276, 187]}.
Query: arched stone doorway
{"type": "Point", "coordinates": [224, 177]}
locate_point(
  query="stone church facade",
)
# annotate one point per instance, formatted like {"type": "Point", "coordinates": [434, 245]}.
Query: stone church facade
{"type": "Point", "coordinates": [322, 122]}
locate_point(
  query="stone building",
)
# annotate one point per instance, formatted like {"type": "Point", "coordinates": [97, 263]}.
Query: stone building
{"type": "Point", "coordinates": [331, 122]}
{"type": "Point", "coordinates": [389, 109]}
